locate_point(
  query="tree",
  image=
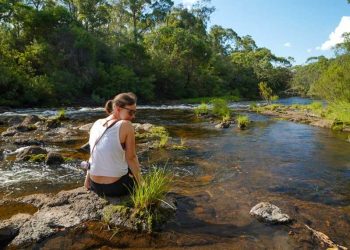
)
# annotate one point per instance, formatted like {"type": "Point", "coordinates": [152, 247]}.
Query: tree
{"type": "Point", "coordinates": [266, 93]}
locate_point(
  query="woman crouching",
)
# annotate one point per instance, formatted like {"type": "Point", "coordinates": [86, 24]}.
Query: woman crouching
{"type": "Point", "coordinates": [114, 166]}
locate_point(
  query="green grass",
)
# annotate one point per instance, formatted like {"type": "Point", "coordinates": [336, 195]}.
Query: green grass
{"type": "Point", "coordinates": [242, 121]}
{"type": "Point", "coordinates": [157, 132]}
{"type": "Point", "coordinates": [339, 111]}
{"type": "Point", "coordinates": [155, 185]}
{"type": "Point", "coordinates": [229, 98]}
{"type": "Point", "coordinates": [201, 109]}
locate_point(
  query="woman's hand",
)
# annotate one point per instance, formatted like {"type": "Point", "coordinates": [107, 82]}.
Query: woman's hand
{"type": "Point", "coordinates": [87, 183]}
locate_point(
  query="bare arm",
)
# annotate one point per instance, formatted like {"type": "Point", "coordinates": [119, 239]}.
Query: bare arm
{"type": "Point", "coordinates": [87, 180]}
{"type": "Point", "coordinates": [130, 151]}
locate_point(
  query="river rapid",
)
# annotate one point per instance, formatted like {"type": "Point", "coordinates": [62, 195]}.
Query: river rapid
{"type": "Point", "coordinates": [302, 169]}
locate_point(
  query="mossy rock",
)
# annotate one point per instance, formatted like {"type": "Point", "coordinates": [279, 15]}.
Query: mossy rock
{"type": "Point", "coordinates": [140, 220]}
{"type": "Point", "coordinates": [37, 158]}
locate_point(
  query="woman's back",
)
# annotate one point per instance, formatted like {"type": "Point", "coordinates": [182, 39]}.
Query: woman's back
{"type": "Point", "coordinates": [108, 156]}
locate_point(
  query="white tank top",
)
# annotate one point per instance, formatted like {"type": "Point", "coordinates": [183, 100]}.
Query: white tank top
{"type": "Point", "coordinates": [108, 158]}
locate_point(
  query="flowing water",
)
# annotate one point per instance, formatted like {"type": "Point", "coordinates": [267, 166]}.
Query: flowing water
{"type": "Point", "coordinates": [302, 169]}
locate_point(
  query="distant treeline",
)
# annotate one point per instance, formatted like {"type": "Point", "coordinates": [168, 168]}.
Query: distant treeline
{"type": "Point", "coordinates": [328, 79]}
{"type": "Point", "coordinates": [61, 52]}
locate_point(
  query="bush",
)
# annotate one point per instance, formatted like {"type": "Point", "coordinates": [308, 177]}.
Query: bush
{"type": "Point", "coordinates": [201, 109]}
{"type": "Point", "coordinates": [155, 185]}
{"type": "Point", "coordinates": [242, 121]}
{"type": "Point", "coordinates": [220, 107]}
{"type": "Point", "coordinates": [266, 93]}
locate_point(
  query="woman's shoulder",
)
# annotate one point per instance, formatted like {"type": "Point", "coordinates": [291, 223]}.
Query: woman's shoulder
{"type": "Point", "coordinates": [127, 125]}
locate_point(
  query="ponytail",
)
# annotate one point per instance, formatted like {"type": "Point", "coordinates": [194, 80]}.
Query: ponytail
{"type": "Point", "coordinates": [109, 107]}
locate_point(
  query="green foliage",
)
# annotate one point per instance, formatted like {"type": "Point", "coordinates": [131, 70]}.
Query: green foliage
{"type": "Point", "coordinates": [338, 75]}
{"type": "Point", "coordinates": [61, 115]}
{"type": "Point", "coordinates": [151, 192]}
{"type": "Point", "coordinates": [315, 106]}
{"type": "Point", "coordinates": [60, 52]}
{"type": "Point", "coordinates": [220, 107]}
{"type": "Point", "coordinates": [339, 112]}
{"type": "Point", "coordinates": [242, 121]}
{"type": "Point", "coordinates": [266, 93]}
{"type": "Point", "coordinates": [201, 109]}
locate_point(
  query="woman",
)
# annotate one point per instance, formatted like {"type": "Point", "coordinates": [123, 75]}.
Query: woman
{"type": "Point", "coordinates": [114, 166]}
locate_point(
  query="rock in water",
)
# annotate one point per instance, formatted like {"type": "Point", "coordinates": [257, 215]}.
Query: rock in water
{"type": "Point", "coordinates": [269, 213]}
{"type": "Point", "coordinates": [25, 154]}
{"type": "Point", "coordinates": [54, 158]}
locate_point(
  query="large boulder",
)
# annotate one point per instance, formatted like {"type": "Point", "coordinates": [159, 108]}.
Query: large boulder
{"type": "Point", "coordinates": [27, 152]}
{"type": "Point", "coordinates": [9, 228]}
{"type": "Point", "coordinates": [267, 212]}
{"type": "Point", "coordinates": [67, 209]}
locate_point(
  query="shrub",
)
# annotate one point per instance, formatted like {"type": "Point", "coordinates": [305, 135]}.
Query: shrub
{"type": "Point", "coordinates": [220, 107]}
{"type": "Point", "coordinates": [242, 121]}
{"type": "Point", "coordinates": [266, 93]}
{"type": "Point", "coordinates": [201, 109]}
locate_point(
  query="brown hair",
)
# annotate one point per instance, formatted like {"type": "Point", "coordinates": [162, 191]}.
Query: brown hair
{"type": "Point", "coordinates": [120, 100]}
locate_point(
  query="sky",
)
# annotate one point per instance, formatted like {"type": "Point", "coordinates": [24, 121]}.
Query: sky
{"type": "Point", "coordinates": [296, 28]}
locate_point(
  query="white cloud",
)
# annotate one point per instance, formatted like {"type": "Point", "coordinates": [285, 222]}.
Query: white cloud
{"type": "Point", "coordinates": [337, 35]}
{"type": "Point", "coordinates": [188, 3]}
{"type": "Point", "coordinates": [287, 44]}
{"type": "Point", "coordinates": [309, 50]}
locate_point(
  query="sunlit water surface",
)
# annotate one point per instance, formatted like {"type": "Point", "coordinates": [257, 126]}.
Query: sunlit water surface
{"type": "Point", "coordinates": [303, 169]}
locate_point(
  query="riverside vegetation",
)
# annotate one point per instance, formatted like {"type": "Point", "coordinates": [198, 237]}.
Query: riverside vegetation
{"type": "Point", "coordinates": [70, 52]}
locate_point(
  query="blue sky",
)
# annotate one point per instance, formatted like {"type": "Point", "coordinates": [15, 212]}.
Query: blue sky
{"type": "Point", "coordinates": [297, 28]}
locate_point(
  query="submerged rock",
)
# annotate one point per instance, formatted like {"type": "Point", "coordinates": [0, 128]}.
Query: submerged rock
{"type": "Point", "coordinates": [267, 212]}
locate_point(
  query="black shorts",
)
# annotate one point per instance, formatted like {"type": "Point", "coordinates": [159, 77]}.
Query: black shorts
{"type": "Point", "coordinates": [124, 186]}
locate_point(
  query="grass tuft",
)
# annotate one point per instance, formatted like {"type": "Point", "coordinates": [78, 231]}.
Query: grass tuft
{"type": "Point", "coordinates": [155, 185]}
{"type": "Point", "coordinates": [201, 109]}
{"type": "Point", "coordinates": [242, 121]}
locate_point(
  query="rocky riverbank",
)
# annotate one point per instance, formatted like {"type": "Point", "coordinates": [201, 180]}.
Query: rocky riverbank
{"type": "Point", "coordinates": [301, 115]}
{"type": "Point", "coordinates": [70, 209]}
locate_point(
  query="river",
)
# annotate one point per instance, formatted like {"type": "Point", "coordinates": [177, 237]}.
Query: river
{"type": "Point", "coordinates": [304, 170]}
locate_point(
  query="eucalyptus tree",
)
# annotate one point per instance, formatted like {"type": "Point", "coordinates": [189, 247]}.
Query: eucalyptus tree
{"type": "Point", "coordinates": [142, 15]}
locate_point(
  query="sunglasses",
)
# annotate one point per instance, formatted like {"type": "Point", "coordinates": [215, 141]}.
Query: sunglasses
{"type": "Point", "coordinates": [130, 111]}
